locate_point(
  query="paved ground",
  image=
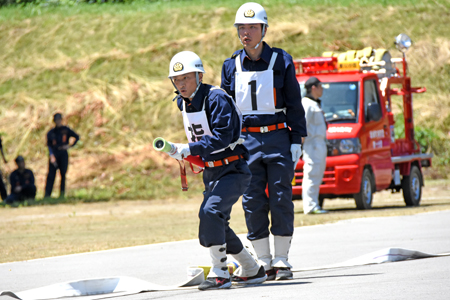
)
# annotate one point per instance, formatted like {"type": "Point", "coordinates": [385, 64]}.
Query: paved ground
{"type": "Point", "coordinates": [312, 246]}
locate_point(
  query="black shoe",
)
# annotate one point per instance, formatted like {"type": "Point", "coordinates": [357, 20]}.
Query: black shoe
{"type": "Point", "coordinates": [260, 277]}
{"type": "Point", "coordinates": [271, 274]}
{"type": "Point", "coordinates": [283, 274]}
{"type": "Point", "coordinates": [215, 283]}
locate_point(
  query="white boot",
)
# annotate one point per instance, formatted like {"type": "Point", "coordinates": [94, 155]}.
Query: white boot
{"type": "Point", "coordinates": [218, 277]}
{"type": "Point", "coordinates": [219, 262]}
{"type": "Point", "coordinates": [282, 246]}
{"type": "Point", "coordinates": [250, 272]}
{"type": "Point", "coordinates": [262, 249]}
{"type": "Point", "coordinates": [248, 265]}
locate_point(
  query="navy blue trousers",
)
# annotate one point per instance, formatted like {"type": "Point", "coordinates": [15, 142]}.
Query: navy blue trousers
{"type": "Point", "coordinates": [62, 159]}
{"type": "Point", "coordinates": [223, 187]}
{"type": "Point", "coordinates": [271, 166]}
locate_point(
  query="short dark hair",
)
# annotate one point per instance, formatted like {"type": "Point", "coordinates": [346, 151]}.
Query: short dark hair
{"type": "Point", "coordinates": [312, 81]}
{"type": "Point", "coordinates": [57, 116]}
{"type": "Point", "coordinates": [19, 159]}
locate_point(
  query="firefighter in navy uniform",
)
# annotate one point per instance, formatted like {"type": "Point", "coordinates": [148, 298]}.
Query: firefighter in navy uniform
{"type": "Point", "coordinates": [262, 81]}
{"type": "Point", "coordinates": [22, 183]}
{"type": "Point", "coordinates": [58, 144]}
{"type": "Point", "coordinates": [212, 124]}
{"type": "Point", "coordinates": [3, 192]}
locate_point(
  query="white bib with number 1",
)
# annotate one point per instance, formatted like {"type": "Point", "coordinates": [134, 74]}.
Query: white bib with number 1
{"type": "Point", "coordinates": [254, 90]}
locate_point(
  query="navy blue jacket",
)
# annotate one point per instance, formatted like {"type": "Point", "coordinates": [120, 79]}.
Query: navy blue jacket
{"type": "Point", "coordinates": [59, 136]}
{"type": "Point", "coordinates": [25, 179]}
{"type": "Point", "coordinates": [287, 90]}
{"type": "Point", "coordinates": [223, 122]}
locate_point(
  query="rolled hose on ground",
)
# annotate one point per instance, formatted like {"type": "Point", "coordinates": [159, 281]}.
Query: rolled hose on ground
{"type": "Point", "coordinates": [160, 144]}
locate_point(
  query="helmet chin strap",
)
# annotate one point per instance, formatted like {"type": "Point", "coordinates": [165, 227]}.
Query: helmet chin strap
{"type": "Point", "coordinates": [198, 86]}
{"type": "Point", "coordinates": [237, 29]}
{"type": "Point", "coordinates": [263, 27]}
{"type": "Point", "coordinates": [171, 80]}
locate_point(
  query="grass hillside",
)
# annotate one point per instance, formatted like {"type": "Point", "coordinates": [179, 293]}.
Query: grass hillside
{"type": "Point", "coordinates": [105, 67]}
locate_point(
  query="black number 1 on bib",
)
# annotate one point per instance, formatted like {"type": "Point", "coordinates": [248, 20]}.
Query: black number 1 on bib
{"type": "Point", "coordinates": [253, 94]}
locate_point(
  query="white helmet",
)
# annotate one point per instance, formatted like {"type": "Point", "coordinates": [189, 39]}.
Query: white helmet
{"type": "Point", "coordinates": [251, 13]}
{"type": "Point", "coordinates": [185, 62]}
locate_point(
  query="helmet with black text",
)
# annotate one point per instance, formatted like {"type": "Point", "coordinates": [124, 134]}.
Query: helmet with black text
{"type": "Point", "coordinates": [251, 13]}
{"type": "Point", "coordinates": [186, 62]}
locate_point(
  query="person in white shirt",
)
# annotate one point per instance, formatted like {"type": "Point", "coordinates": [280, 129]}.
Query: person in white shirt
{"type": "Point", "coordinates": [314, 147]}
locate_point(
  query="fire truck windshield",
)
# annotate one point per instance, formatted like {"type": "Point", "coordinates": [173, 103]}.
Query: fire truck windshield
{"type": "Point", "coordinates": [339, 101]}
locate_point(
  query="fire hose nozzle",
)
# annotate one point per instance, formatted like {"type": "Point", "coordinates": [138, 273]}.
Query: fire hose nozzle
{"type": "Point", "coordinates": [160, 144]}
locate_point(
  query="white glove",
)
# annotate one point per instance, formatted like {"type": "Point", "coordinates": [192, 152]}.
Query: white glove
{"type": "Point", "coordinates": [183, 151]}
{"type": "Point", "coordinates": [296, 150]}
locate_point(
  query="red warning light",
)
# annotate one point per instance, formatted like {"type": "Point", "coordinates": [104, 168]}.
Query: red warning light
{"type": "Point", "coordinates": [319, 64]}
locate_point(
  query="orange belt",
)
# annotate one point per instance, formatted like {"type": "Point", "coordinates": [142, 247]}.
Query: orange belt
{"type": "Point", "coordinates": [221, 162]}
{"type": "Point", "coordinates": [264, 129]}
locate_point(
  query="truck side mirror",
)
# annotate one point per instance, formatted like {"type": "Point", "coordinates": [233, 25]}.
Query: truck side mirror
{"type": "Point", "coordinates": [373, 112]}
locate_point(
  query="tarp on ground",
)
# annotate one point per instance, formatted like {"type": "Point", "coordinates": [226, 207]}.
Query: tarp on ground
{"type": "Point", "coordinates": [102, 288]}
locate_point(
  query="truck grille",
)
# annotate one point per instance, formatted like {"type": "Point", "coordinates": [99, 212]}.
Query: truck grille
{"type": "Point", "coordinates": [329, 177]}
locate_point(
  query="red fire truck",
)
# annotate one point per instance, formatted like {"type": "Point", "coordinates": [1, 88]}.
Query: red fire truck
{"type": "Point", "coordinates": [363, 154]}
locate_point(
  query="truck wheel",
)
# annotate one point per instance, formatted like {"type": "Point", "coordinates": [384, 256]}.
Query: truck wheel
{"type": "Point", "coordinates": [363, 199]}
{"type": "Point", "coordinates": [412, 187]}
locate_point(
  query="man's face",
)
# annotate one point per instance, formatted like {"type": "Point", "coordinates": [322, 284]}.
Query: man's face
{"type": "Point", "coordinates": [58, 122]}
{"type": "Point", "coordinates": [250, 34]}
{"type": "Point", "coordinates": [21, 165]}
{"type": "Point", "coordinates": [186, 83]}
{"type": "Point", "coordinates": [318, 90]}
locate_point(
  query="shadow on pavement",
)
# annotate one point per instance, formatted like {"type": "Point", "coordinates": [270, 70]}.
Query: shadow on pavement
{"type": "Point", "coordinates": [338, 276]}
{"type": "Point", "coordinates": [271, 283]}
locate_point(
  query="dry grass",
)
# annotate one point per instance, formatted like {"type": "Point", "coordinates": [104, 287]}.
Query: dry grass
{"type": "Point", "coordinates": [433, 56]}
{"type": "Point", "coordinates": [43, 231]}
{"type": "Point", "coordinates": [105, 67]}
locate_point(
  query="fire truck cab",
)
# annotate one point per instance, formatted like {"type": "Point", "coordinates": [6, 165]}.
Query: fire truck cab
{"type": "Point", "coordinates": [363, 154]}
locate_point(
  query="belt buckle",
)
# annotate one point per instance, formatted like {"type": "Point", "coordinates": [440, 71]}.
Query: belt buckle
{"type": "Point", "coordinates": [210, 164]}
{"type": "Point", "coordinates": [264, 129]}
{"type": "Point", "coordinates": [225, 161]}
